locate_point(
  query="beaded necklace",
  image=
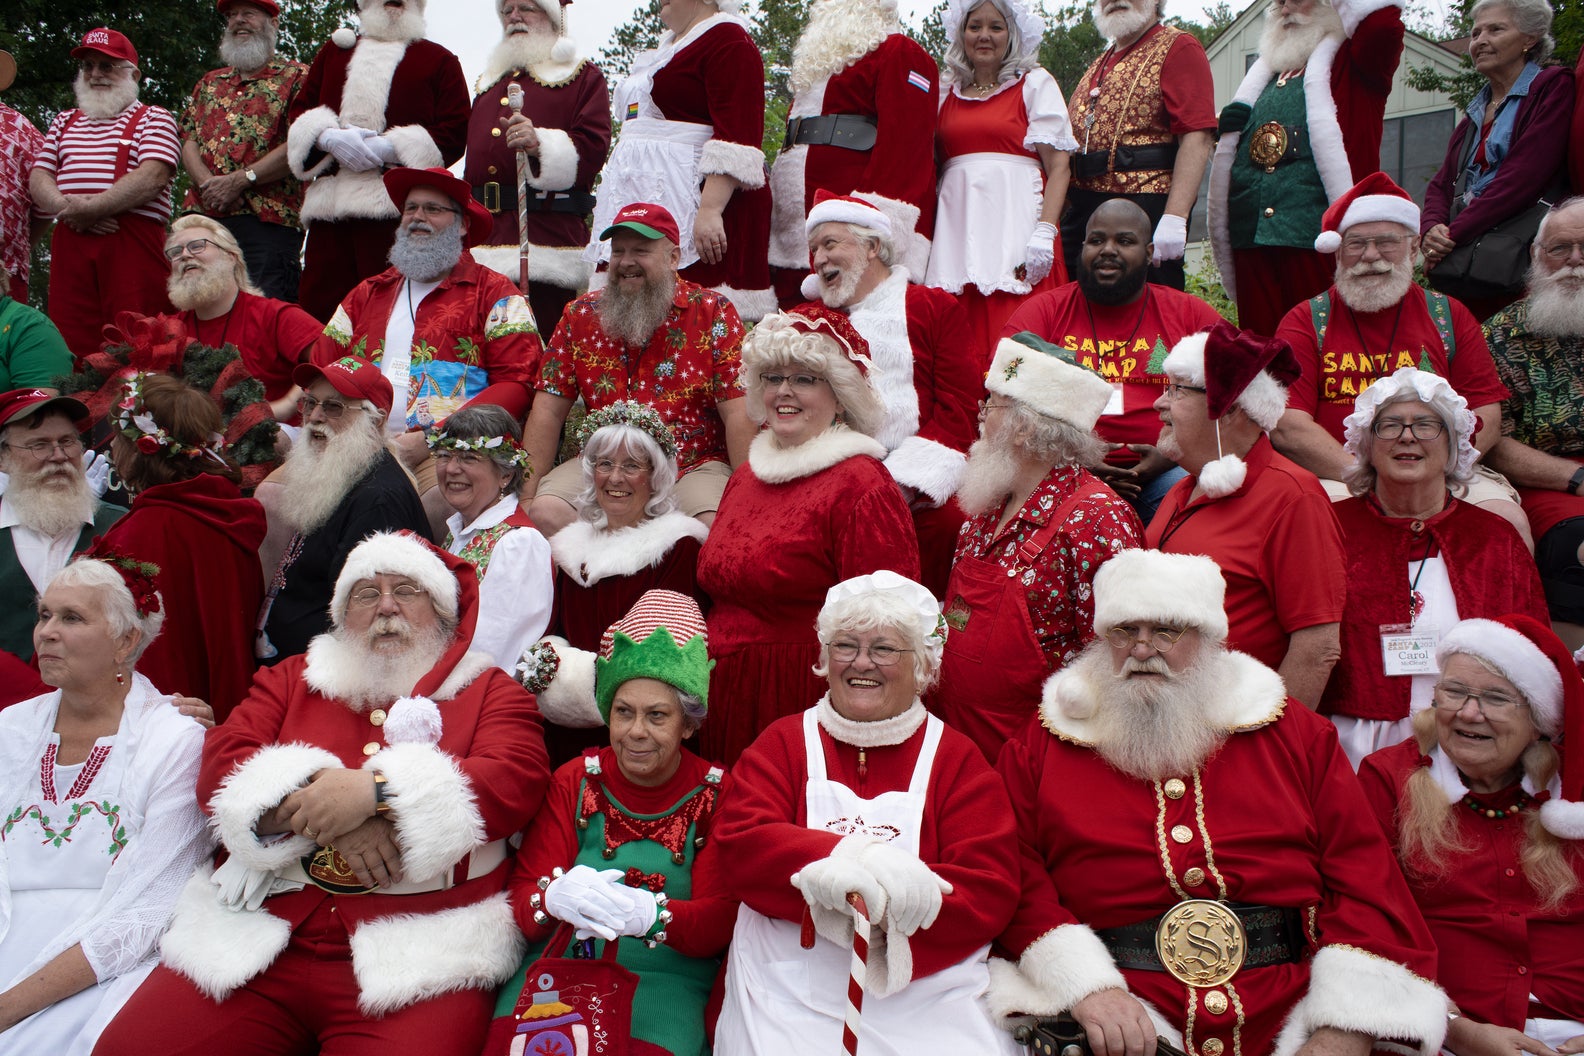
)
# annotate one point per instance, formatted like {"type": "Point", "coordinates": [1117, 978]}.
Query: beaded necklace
{"type": "Point", "coordinates": [1523, 801]}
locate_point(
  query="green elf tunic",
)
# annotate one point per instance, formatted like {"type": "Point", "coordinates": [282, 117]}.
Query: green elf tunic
{"type": "Point", "coordinates": [594, 816]}
{"type": "Point", "coordinates": [1278, 199]}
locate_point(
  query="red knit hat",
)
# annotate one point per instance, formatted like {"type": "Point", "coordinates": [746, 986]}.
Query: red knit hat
{"type": "Point", "coordinates": [1237, 368]}
{"type": "Point", "coordinates": [1375, 197]}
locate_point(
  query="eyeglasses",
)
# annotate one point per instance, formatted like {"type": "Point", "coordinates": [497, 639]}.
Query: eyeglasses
{"type": "Point", "coordinates": [1175, 391]}
{"type": "Point", "coordinates": [629, 468]}
{"type": "Point", "coordinates": [405, 595]}
{"type": "Point", "coordinates": [429, 209]}
{"type": "Point", "coordinates": [1421, 428]}
{"type": "Point", "coordinates": [800, 382]}
{"type": "Point", "coordinates": [90, 66]}
{"type": "Point", "coordinates": [467, 458]}
{"type": "Point", "coordinates": [332, 409]}
{"type": "Point", "coordinates": [1125, 635]}
{"type": "Point", "coordinates": [195, 247]}
{"type": "Point", "coordinates": [41, 450]}
{"type": "Point", "coordinates": [879, 655]}
{"type": "Point", "coordinates": [1562, 250]}
{"type": "Point", "coordinates": [1451, 696]}
{"type": "Point", "coordinates": [1385, 245]}
{"type": "Point", "coordinates": [986, 406]}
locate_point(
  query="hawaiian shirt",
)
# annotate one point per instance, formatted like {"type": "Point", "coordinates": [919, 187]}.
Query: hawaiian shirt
{"type": "Point", "coordinates": [1545, 376]}
{"type": "Point", "coordinates": [689, 365]}
{"type": "Point", "coordinates": [235, 121]}
{"type": "Point", "coordinates": [1058, 587]}
{"type": "Point", "coordinates": [19, 146]}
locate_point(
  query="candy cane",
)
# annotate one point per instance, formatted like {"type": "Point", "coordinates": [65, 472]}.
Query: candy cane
{"type": "Point", "coordinates": [859, 972]}
{"type": "Point", "coordinates": [514, 94]}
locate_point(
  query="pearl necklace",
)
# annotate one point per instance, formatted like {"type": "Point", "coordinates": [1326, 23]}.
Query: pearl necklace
{"type": "Point", "coordinates": [981, 90]}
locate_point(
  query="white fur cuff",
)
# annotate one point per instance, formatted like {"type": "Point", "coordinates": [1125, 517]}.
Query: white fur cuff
{"type": "Point", "coordinates": [404, 959]}
{"type": "Point", "coordinates": [432, 806]}
{"type": "Point", "coordinates": [569, 699]}
{"type": "Point", "coordinates": [927, 466]}
{"type": "Point", "coordinates": [742, 163]}
{"type": "Point", "coordinates": [1352, 989]}
{"type": "Point", "coordinates": [303, 138]}
{"type": "Point", "coordinates": [558, 161]}
{"type": "Point", "coordinates": [751, 305]}
{"type": "Point", "coordinates": [255, 788]}
{"type": "Point", "coordinates": [217, 948]}
{"type": "Point", "coordinates": [1066, 965]}
{"type": "Point", "coordinates": [415, 148]}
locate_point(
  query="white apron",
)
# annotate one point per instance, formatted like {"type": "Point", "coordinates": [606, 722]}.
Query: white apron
{"type": "Point", "coordinates": [783, 1000]}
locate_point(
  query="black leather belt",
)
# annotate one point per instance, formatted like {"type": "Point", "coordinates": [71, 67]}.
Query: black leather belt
{"type": "Point", "coordinates": [1275, 936]}
{"type": "Point", "coordinates": [1128, 159]}
{"type": "Point", "coordinates": [502, 198]}
{"type": "Point", "coordinates": [849, 131]}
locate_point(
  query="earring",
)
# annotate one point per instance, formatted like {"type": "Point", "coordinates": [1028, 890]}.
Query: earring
{"type": "Point", "coordinates": [120, 678]}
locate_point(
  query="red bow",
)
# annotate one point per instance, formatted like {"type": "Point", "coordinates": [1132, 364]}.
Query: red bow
{"type": "Point", "coordinates": [638, 878]}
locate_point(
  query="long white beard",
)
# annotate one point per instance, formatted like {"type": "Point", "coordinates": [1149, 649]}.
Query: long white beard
{"type": "Point", "coordinates": [1362, 294]}
{"type": "Point", "coordinates": [1556, 309]}
{"type": "Point", "coordinates": [196, 289]}
{"type": "Point", "coordinates": [51, 509]}
{"type": "Point", "coordinates": [1152, 728]}
{"type": "Point", "coordinates": [251, 54]}
{"type": "Point", "coordinates": [316, 481]}
{"type": "Point", "coordinates": [1288, 47]}
{"type": "Point", "coordinates": [839, 33]}
{"type": "Point", "coordinates": [103, 105]}
{"type": "Point", "coordinates": [1123, 23]}
{"type": "Point", "coordinates": [841, 295]}
{"type": "Point", "coordinates": [378, 24]}
{"type": "Point", "coordinates": [988, 477]}
{"type": "Point", "coordinates": [370, 676]}
{"type": "Point", "coordinates": [524, 49]}
{"type": "Point", "coordinates": [429, 258]}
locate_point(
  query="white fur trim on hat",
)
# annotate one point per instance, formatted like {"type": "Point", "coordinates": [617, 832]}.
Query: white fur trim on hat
{"type": "Point", "coordinates": [1263, 399]}
{"type": "Point", "coordinates": [1367, 209]}
{"type": "Point", "coordinates": [1048, 384]}
{"type": "Point", "coordinates": [393, 554]}
{"type": "Point", "coordinates": [847, 210]}
{"type": "Point", "coordinates": [1183, 589]}
{"type": "Point", "coordinates": [1517, 659]}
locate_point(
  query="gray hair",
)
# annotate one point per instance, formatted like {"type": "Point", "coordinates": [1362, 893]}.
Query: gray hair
{"type": "Point", "coordinates": [765, 348]}
{"type": "Point", "coordinates": [120, 610]}
{"type": "Point", "coordinates": [607, 442]}
{"type": "Point", "coordinates": [483, 420]}
{"type": "Point", "coordinates": [693, 709]}
{"type": "Point", "coordinates": [1532, 18]}
{"type": "Point", "coordinates": [1051, 439]}
{"type": "Point", "coordinates": [1361, 476]}
{"type": "Point", "coordinates": [868, 238]}
{"type": "Point", "coordinates": [1562, 206]}
{"type": "Point", "coordinates": [878, 611]}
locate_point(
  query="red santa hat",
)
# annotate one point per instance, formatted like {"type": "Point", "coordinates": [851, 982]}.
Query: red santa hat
{"type": "Point", "coordinates": [818, 319]}
{"type": "Point", "coordinates": [1526, 653]}
{"type": "Point", "coordinates": [846, 209]}
{"type": "Point", "coordinates": [1152, 586]}
{"type": "Point", "coordinates": [1374, 198]}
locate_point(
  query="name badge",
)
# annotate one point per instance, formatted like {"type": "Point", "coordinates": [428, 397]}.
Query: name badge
{"type": "Point", "coordinates": [1114, 404]}
{"type": "Point", "coordinates": [1404, 652]}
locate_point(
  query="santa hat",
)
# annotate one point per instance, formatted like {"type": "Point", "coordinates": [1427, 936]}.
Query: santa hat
{"type": "Point", "coordinates": [1374, 198]}
{"type": "Point", "coordinates": [845, 209]}
{"type": "Point", "coordinates": [1151, 586]}
{"type": "Point", "coordinates": [1047, 379]}
{"type": "Point", "coordinates": [661, 637]}
{"type": "Point", "coordinates": [1526, 653]}
{"type": "Point", "coordinates": [818, 319]}
{"type": "Point", "coordinates": [1236, 368]}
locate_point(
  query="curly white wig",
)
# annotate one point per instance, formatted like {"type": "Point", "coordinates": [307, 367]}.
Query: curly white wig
{"type": "Point", "coordinates": [1406, 385]}
{"type": "Point", "coordinates": [771, 347]}
{"type": "Point", "coordinates": [1025, 30]}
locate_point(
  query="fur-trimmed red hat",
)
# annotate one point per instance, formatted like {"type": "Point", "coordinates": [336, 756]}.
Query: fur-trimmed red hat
{"type": "Point", "coordinates": [1376, 197]}
{"type": "Point", "coordinates": [846, 209]}
{"type": "Point", "coordinates": [1237, 368]}
{"type": "Point", "coordinates": [818, 319]}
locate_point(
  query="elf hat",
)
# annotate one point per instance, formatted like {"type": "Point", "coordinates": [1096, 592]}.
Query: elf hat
{"type": "Point", "coordinates": [1375, 197]}
{"type": "Point", "coordinates": [1047, 379]}
{"type": "Point", "coordinates": [661, 637]}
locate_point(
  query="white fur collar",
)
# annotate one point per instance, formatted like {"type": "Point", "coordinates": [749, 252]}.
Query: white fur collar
{"type": "Point", "coordinates": [881, 318]}
{"type": "Point", "coordinates": [879, 733]}
{"type": "Point", "coordinates": [1252, 696]}
{"type": "Point", "coordinates": [332, 673]}
{"type": "Point", "coordinates": [775, 464]}
{"type": "Point", "coordinates": [1450, 781]}
{"type": "Point", "coordinates": [589, 554]}
{"type": "Point", "coordinates": [549, 73]}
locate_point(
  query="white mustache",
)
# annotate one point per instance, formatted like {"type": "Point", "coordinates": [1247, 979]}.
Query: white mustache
{"type": "Point", "coordinates": [1154, 665]}
{"type": "Point", "coordinates": [1371, 267]}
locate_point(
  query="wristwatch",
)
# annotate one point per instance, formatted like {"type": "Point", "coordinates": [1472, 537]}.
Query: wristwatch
{"type": "Point", "coordinates": [381, 804]}
{"type": "Point", "coordinates": [1575, 481]}
{"type": "Point", "coordinates": [252, 176]}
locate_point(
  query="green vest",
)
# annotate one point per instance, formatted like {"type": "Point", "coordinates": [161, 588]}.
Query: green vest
{"type": "Point", "coordinates": [18, 614]}
{"type": "Point", "coordinates": [1281, 205]}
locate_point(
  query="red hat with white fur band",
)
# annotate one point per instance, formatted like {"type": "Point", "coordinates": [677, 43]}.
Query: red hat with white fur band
{"type": "Point", "coordinates": [845, 209]}
{"type": "Point", "coordinates": [1374, 198]}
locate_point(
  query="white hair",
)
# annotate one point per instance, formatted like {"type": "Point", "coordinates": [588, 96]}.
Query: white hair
{"type": "Point", "coordinates": [120, 610]}
{"type": "Point", "coordinates": [607, 442]}
{"type": "Point", "coordinates": [878, 611]}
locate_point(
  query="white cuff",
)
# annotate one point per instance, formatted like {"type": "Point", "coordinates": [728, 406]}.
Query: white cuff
{"type": "Point", "coordinates": [927, 466]}
{"type": "Point", "coordinates": [569, 699]}
{"type": "Point", "coordinates": [1353, 989]}
{"type": "Point", "coordinates": [303, 138]}
{"type": "Point", "coordinates": [255, 788]}
{"type": "Point", "coordinates": [1059, 969]}
{"type": "Point", "coordinates": [415, 148]}
{"type": "Point", "coordinates": [432, 806]}
{"type": "Point", "coordinates": [558, 161]}
{"type": "Point", "coordinates": [742, 163]}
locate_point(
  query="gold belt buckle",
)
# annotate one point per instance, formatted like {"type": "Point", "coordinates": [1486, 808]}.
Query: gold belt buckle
{"type": "Point", "coordinates": [328, 871]}
{"type": "Point", "coordinates": [1269, 145]}
{"type": "Point", "coordinates": [492, 196]}
{"type": "Point", "coordinates": [1201, 942]}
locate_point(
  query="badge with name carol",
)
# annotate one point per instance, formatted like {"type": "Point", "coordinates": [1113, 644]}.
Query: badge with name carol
{"type": "Point", "coordinates": [1405, 651]}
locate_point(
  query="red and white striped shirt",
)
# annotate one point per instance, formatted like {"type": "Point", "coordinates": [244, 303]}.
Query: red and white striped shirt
{"type": "Point", "coordinates": [83, 156]}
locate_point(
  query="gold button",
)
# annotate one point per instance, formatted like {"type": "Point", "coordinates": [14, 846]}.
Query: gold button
{"type": "Point", "coordinates": [1182, 833]}
{"type": "Point", "coordinates": [1215, 1004]}
{"type": "Point", "coordinates": [505, 100]}
{"type": "Point", "coordinates": [494, 131]}
{"type": "Point", "coordinates": [1269, 211]}
{"type": "Point", "coordinates": [377, 716]}
{"type": "Point", "coordinates": [492, 170]}
{"type": "Point", "coordinates": [1212, 1047]}
{"type": "Point", "coordinates": [371, 747]}
{"type": "Point", "coordinates": [1194, 877]}
{"type": "Point", "coordinates": [1175, 788]}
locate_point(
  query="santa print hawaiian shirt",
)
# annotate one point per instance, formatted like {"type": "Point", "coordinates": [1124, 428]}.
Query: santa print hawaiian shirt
{"type": "Point", "coordinates": [1060, 598]}
{"type": "Point", "coordinates": [19, 146]}
{"type": "Point", "coordinates": [235, 121]}
{"type": "Point", "coordinates": [689, 365]}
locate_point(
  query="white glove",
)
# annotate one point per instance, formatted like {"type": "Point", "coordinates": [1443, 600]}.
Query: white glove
{"type": "Point", "coordinates": [348, 147]}
{"type": "Point", "coordinates": [244, 888]}
{"type": "Point", "coordinates": [912, 889]}
{"type": "Point", "coordinates": [586, 899]}
{"type": "Point", "coordinates": [1171, 238]}
{"type": "Point", "coordinates": [641, 911]}
{"type": "Point", "coordinates": [382, 147]}
{"type": "Point", "coordinates": [96, 467]}
{"type": "Point", "coordinates": [827, 881]}
{"type": "Point", "coordinates": [1039, 256]}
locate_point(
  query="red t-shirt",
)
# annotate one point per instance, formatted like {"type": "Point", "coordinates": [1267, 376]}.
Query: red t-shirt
{"type": "Point", "coordinates": [1277, 542]}
{"type": "Point", "coordinates": [272, 336]}
{"type": "Point", "coordinates": [1359, 348]}
{"type": "Point", "coordinates": [1121, 343]}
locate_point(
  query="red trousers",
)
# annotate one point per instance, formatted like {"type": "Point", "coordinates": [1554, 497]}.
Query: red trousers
{"type": "Point", "coordinates": [337, 257]}
{"type": "Point", "coordinates": [304, 1003]}
{"type": "Point", "coordinates": [1271, 279]}
{"type": "Point", "coordinates": [94, 277]}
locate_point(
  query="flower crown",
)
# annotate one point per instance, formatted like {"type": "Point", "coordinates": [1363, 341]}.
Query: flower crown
{"type": "Point", "coordinates": [138, 575]}
{"type": "Point", "coordinates": [494, 446]}
{"type": "Point", "coordinates": [137, 425]}
{"type": "Point", "coordinates": [629, 412]}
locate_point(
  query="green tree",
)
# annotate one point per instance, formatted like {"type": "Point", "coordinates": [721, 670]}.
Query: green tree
{"type": "Point", "coordinates": [1567, 28]}
{"type": "Point", "coordinates": [1071, 44]}
{"type": "Point", "coordinates": [638, 34]}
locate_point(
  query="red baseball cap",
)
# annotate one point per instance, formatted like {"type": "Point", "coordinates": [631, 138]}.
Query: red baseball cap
{"type": "Point", "coordinates": [105, 41]}
{"type": "Point", "coordinates": [269, 7]}
{"type": "Point", "coordinates": [646, 218]}
{"type": "Point", "coordinates": [400, 182]}
{"type": "Point", "coordinates": [354, 378]}
{"type": "Point", "coordinates": [19, 403]}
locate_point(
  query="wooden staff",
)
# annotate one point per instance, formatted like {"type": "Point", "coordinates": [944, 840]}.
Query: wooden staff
{"type": "Point", "coordinates": [514, 95]}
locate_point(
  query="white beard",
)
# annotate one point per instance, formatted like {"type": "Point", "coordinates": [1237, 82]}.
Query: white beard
{"type": "Point", "coordinates": [988, 477]}
{"type": "Point", "coordinates": [1556, 307]}
{"type": "Point", "coordinates": [316, 481]}
{"type": "Point", "coordinates": [103, 105]}
{"type": "Point", "coordinates": [839, 33]}
{"type": "Point", "coordinates": [47, 509]}
{"type": "Point", "coordinates": [1152, 729]}
{"type": "Point", "coordinates": [1123, 23]}
{"type": "Point", "coordinates": [523, 50]}
{"type": "Point", "coordinates": [378, 24]}
{"type": "Point", "coordinates": [1363, 295]}
{"type": "Point", "coordinates": [841, 295]}
{"type": "Point", "coordinates": [210, 284]}
{"type": "Point", "coordinates": [428, 259]}
{"type": "Point", "coordinates": [251, 54]}
{"type": "Point", "coordinates": [1288, 47]}
{"type": "Point", "coordinates": [369, 676]}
